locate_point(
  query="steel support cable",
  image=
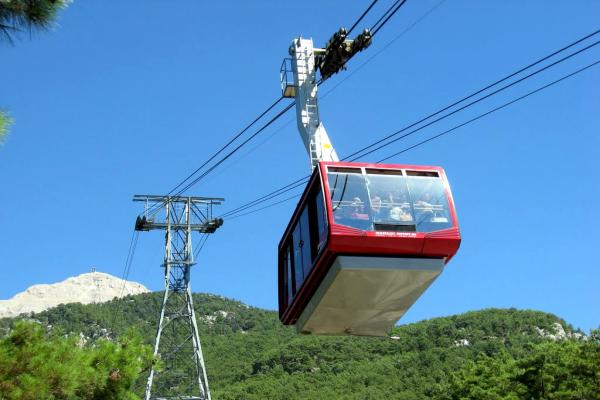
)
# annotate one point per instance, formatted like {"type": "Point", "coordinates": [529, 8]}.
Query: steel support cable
{"type": "Point", "coordinates": [202, 245]}
{"type": "Point", "coordinates": [126, 270]}
{"type": "Point", "coordinates": [201, 242]}
{"type": "Point", "coordinates": [264, 207]}
{"type": "Point", "coordinates": [223, 159]}
{"type": "Point", "coordinates": [405, 31]}
{"type": "Point", "coordinates": [233, 139]}
{"type": "Point", "coordinates": [129, 260]}
{"type": "Point", "coordinates": [361, 17]}
{"type": "Point", "coordinates": [305, 179]}
{"type": "Point", "coordinates": [361, 152]}
{"type": "Point", "coordinates": [480, 116]}
{"type": "Point", "coordinates": [245, 142]}
{"type": "Point", "coordinates": [253, 122]}
{"type": "Point", "coordinates": [375, 28]}
{"type": "Point", "coordinates": [372, 34]}
{"type": "Point", "coordinates": [385, 47]}
{"type": "Point", "coordinates": [398, 4]}
{"type": "Point", "coordinates": [451, 129]}
{"type": "Point", "coordinates": [268, 196]}
{"type": "Point", "coordinates": [289, 187]}
{"type": "Point", "coordinates": [256, 147]}
{"type": "Point", "coordinates": [384, 15]}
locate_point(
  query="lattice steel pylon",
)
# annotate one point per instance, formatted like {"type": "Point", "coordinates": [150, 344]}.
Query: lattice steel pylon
{"type": "Point", "coordinates": [182, 373]}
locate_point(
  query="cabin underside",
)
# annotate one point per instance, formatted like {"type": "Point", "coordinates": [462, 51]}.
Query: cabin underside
{"type": "Point", "coordinates": [366, 296]}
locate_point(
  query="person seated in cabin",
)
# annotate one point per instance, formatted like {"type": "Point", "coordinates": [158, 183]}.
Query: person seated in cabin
{"type": "Point", "coordinates": [376, 207]}
{"type": "Point", "coordinates": [394, 210]}
{"type": "Point", "coordinates": [425, 201]}
{"type": "Point", "coordinates": [398, 213]}
{"type": "Point", "coordinates": [430, 208]}
{"type": "Point", "coordinates": [352, 213]}
{"type": "Point", "coordinates": [349, 208]}
{"type": "Point", "coordinates": [357, 209]}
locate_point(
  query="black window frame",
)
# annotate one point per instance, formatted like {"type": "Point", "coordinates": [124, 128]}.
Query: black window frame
{"type": "Point", "coordinates": [314, 245]}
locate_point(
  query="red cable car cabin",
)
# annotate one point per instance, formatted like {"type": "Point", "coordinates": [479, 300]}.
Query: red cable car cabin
{"type": "Point", "coordinates": [363, 244]}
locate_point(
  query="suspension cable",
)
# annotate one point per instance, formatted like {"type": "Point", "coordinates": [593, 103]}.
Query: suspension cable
{"type": "Point", "coordinates": [391, 11]}
{"type": "Point", "coordinates": [469, 104]}
{"type": "Point", "coordinates": [480, 116]}
{"type": "Point", "coordinates": [362, 16]}
{"type": "Point", "coordinates": [303, 180]}
{"type": "Point", "coordinates": [462, 100]}
{"type": "Point", "coordinates": [233, 139]}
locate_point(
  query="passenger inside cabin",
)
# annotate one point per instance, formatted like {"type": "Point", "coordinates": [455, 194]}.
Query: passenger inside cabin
{"type": "Point", "coordinates": [401, 213]}
{"type": "Point", "coordinates": [429, 208]}
{"type": "Point", "coordinates": [352, 213]}
{"type": "Point", "coordinates": [376, 206]}
{"type": "Point", "coordinates": [425, 200]}
{"type": "Point", "coordinates": [357, 206]}
{"type": "Point", "coordinates": [391, 208]}
{"type": "Point", "coordinates": [354, 209]}
{"type": "Point", "coordinates": [424, 206]}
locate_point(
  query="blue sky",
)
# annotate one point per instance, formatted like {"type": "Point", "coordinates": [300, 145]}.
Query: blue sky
{"type": "Point", "coordinates": [114, 102]}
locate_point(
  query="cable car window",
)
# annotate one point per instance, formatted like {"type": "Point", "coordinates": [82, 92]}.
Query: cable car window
{"type": "Point", "coordinates": [432, 174]}
{"type": "Point", "coordinates": [305, 243]}
{"type": "Point", "coordinates": [321, 217]}
{"type": "Point", "coordinates": [288, 277]}
{"type": "Point", "coordinates": [297, 256]}
{"type": "Point", "coordinates": [389, 201]}
{"type": "Point", "coordinates": [349, 197]}
{"type": "Point", "coordinates": [430, 203]}
{"type": "Point", "coordinates": [344, 169]}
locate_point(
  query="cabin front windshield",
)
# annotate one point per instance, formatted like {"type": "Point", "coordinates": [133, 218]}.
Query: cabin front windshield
{"type": "Point", "coordinates": [430, 203]}
{"type": "Point", "coordinates": [387, 200]}
{"type": "Point", "coordinates": [349, 198]}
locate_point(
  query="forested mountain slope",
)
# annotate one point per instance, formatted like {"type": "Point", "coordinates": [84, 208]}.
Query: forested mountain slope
{"type": "Point", "coordinates": [483, 354]}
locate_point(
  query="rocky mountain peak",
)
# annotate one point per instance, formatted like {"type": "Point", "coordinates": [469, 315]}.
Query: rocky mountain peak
{"type": "Point", "coordinates": [92, 287]}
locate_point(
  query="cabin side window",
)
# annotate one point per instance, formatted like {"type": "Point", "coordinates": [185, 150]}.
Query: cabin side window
{"type": "Point", "coordinates": [301, 252]}
{"type": "Point", "coordinates": [308, 237]}
{"type": "Point", "coordinates": [305, 243]}
{"type": "Point", "coordinates": [317, 220]}
{"type": "Point", "coordinates": [297, 256]}
{"type": "Point", "coordinates": [321, 222]}
{"type": "Point", "coordinates": [288, 276]}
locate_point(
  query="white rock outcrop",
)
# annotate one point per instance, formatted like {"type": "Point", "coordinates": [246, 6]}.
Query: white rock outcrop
{"type": "Point", "coordinates": [93, 287]}
{"type": "Point", "coordinates": [559, 333]}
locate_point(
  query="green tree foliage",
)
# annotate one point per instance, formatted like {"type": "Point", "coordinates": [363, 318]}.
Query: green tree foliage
{"type": "Point", "coordinates": [553, 370]}
{"type": "Point", "coordinates": [36, 366]}
{"type": "Point", "coordinates": [5, 122]}
{"type": "Point", "coordinates": [488, 354]}
{"type": "Point", "coordinates": [19, 15]}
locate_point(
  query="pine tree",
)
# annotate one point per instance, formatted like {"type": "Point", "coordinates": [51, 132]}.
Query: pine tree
{"type": "Point", "coordinates": [35, 365]}
{"type": "Point", "coordinates": [20, 15]}
{"type": "Point", "coordinates": [17, 16]}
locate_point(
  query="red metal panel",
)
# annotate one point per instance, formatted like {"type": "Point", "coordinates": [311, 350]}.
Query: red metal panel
{"type": "Point", "coordinates": [365, 245]}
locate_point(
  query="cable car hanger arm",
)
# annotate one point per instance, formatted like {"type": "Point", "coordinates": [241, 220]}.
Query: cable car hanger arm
{"type": "Point", "coordinates": [305, 60]}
